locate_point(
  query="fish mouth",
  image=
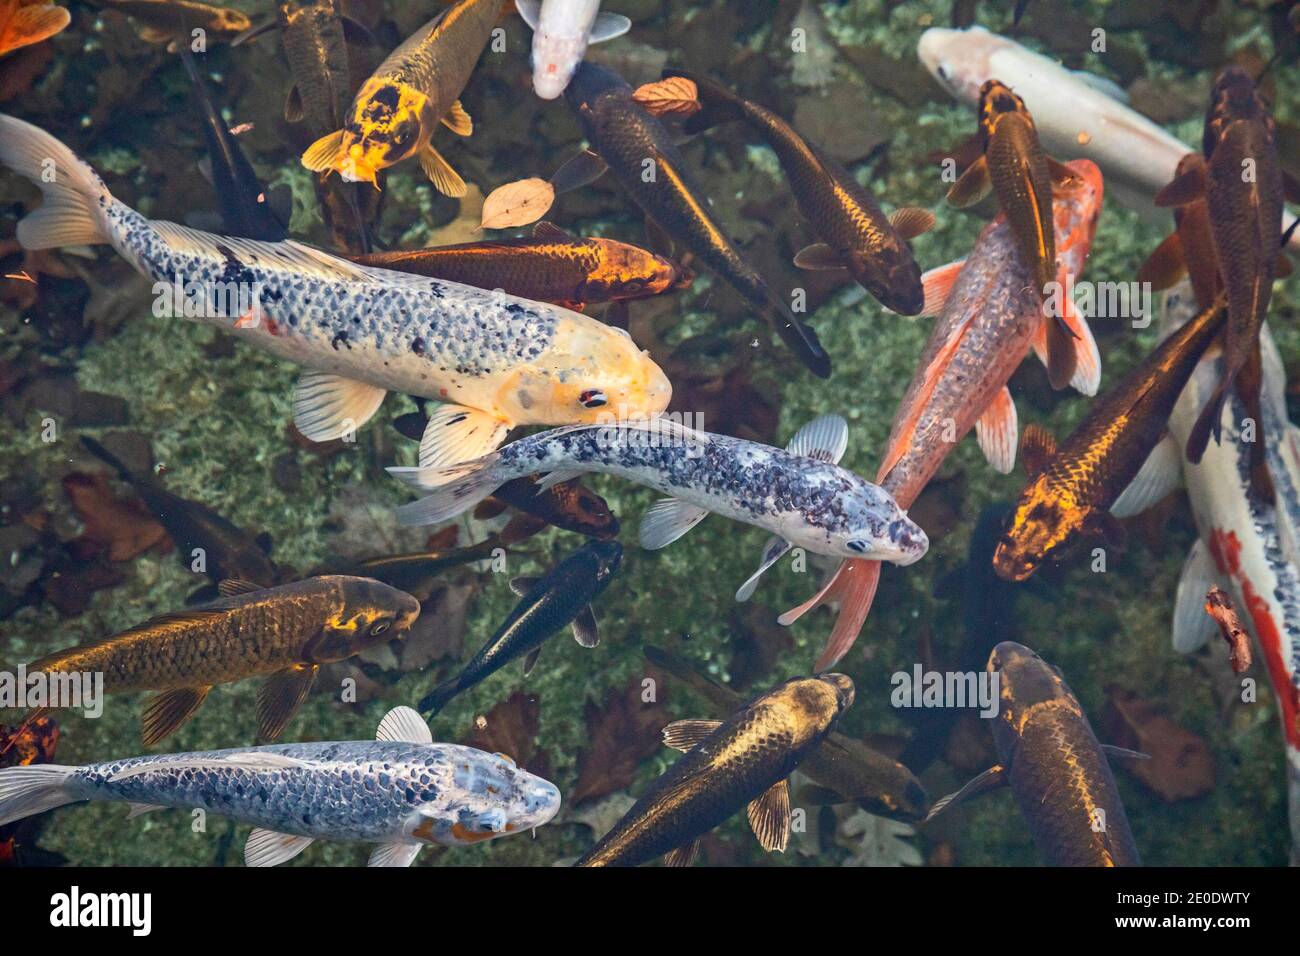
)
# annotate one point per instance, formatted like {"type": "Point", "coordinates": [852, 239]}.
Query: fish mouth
{"type": "Point", "coordinates": [1011, 566]}
{"type": "Point", "coordinates": [845, 692]}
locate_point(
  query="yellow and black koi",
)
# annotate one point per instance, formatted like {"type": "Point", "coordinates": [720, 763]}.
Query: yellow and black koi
{"type": "Point", "coordinates": [396, 111]}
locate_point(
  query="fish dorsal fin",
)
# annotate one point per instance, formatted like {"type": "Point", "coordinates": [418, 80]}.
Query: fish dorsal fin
{"type": "Point", "coordinates": [404, 725]}
{"type": "Point", "coordinates": [1037, 448]}
{"type": "Point", "coordinates": [1192, 627]}
{"type": "Point", "coordinates": [582, 170]}
{"type": "Point", "coordinates": [769, 817]}
{"type": "Point", "coordinates": [328, 406]}
{"type": "Point", "coordinates": [551, 232]}
{"type": "Point", "coordinates": [280, 697]}
{"type": "Point", "coordinates": [394, 854]}
{"type": "Point", "coordinates": [456, 433]}
{"type": "Point", "coordinates": [608, 26]}
{"type": "Point", "coordinates": [825, 438]}
{"type": "Point", "coordinates": [287, 253]}
{"type": "Point", "coordinates": [989, 780]}
{"type": "Point", "coordinates": [254, 761]}
{"type": "Point", "coordinates": [269, 848]}
{"type": "Point", "coordinates": [667, 520]}
{"type": "Point", "coordinates": [911, 221]}
{"type": "Point", "coordinates": [585, 631]}
{"type": "Point", "coordinates": [683, 735]}
{"type": "Point", "coordinates": [232, 587]}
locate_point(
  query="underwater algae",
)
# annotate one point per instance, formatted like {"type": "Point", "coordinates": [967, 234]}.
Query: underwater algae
{"type": "Point", "coordinates": [217, 420]}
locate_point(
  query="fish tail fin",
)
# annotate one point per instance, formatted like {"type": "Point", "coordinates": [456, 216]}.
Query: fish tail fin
{"type": "Point", "coordinates": [438, 698]}
{"type": "Point", "coordinates": [74, 195]}
{"type": "Point", "coordinates": [452, 490]}
{"type": "Point", "coordinates": [27, 791]}
{"type": "Point", "coordinates": [718, 104]}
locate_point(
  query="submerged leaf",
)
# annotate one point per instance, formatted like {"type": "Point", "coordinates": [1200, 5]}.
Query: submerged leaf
{"type": "Point", "coordinates": [517, 204]}
{"type": "Point", "coordinates": [675, 95]}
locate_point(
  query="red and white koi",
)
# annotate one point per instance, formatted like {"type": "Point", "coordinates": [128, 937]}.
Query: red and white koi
{"type": "Point", "coordinates": [990, 314]}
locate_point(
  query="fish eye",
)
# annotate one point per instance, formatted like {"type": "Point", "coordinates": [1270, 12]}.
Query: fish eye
{"type": "Point", "coordinates": [379, 627]}
{"type": "Point", "coordinates": [592, 398]}
{"type": "Point", "coordinates": [860, 547]}
{"type": "Point", "coordinates": [943, 72]}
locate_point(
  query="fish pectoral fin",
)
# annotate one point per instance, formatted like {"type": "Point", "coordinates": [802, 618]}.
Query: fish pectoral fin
{"type": "Point", "coordinates": [585, 631]}
{"type": "Point", "coordinates": [269, 847]}
{"type": "Point", "coordinates": [531, 11]}
{"type": "Point", "coordinates": [972, 186]}
{"type": "Point", "coordinates": [1123, 753]}
{"type": "Point", "coordinates": [445, 179]}
{"type": "Point", "coordinates": [608, 26]}
{"type": "Point", "coordinates": [280, 696]}
{"type": "Point", "coordinates": [997, 432]}
{"type": "Point", "coordinates": [1063, 177]}
{"type": "Point", "coordinates": [1166, 265]}
{"type": "Point", "coordinates": [551, 232]}
{"type": "Point", "coordinates": [166, 712]}
{"type": "Point", "coordinates": [825, 438]}
{"type": "Point", "coordinates": [522, 584]}
{"type": "Point", "coordinates": [457, 434]}
{"type": "Point", "coordinates": [32, 24]}
{"type": "Point", "coordinates": [404, 725]}
{"type": "Point", "coordinates": [769, 817]}
{"type": "Point", "coordinates": [1187, 187]}
{"type": "Point", "coordinates": [530, 661]}
{"type": "Point", "coordinates": [293, 108]}
{"type": "Point", "coordinates": [394, 854]}
{"type": "Point", "coordinates": [684, 855]}
{"type": "Point", "coordinates": [326, 154]}
{"type": "Point", "coordinates": [137, 809]}
{"type": "Point", "coordinates": [989, 780]}
{"type": "Point", "coordinates": [327, 406]}
{"type": "Point", "coordinates": [818, 257]}
{"type": "Point", "coordinates": [1160, 474]}
{"type": "Point", "coordinates": [683, 735]}
{"type": "Point", "coordinates": [912, 221]}
{"type": "Point", "coordinates": [458, 120]}
{"type": "Point", "coordinates": [775, 549]}
{"type": "Point", "coordinates": [1192, 627]}
{"type": "Point", "coordinates": [1037, 447]}
{"type": "Point", "coordinates": [667, 520]}
{"type": "Point", "coordinates": [937, 284]}
{"type": "Point", "coordinates": [354, 31]}
{"type": "Point", "coordinates": [232, 587]}
{"type": "Point", "coordinates": [582, 170]}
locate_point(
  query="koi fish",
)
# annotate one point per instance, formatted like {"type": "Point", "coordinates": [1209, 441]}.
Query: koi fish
{"type": "Point", "coordinates": [396, 112]}
{"type": "Point", "coordinates": [1073, 490]}
{"type": "Point", "coordinates": [551, 266]}
{"type": "Point", "coordinates": [166, 21]}
{"type": "Point", "coordinates": [560, 597]}
{"type": "Point", "coordinates": [855, 234]}
{"type": "Point", "coordinates": [799, 493]}
{"type": "Point", "coordinates": [286, 632]}
{"type": "Point", "coordinates": [990, 316]}
{"type": "Point", "coordinates": [1055, 766]}
{"type": "Point", "coordinates": [1015, 168]}
{"type": "Point", "coordinates": [562, 29]}
{"type": "Point", "coordinates": [743, 761]}
{"type": "Point", "coordinates": [495, 360]}
{"type": "Point", "coordinates": [624, 138]}
{"type": "Point", "coordinates": [401, 791]}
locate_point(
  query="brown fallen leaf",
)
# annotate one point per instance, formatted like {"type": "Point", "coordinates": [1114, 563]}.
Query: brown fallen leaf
{"type": "Point", "coordinates": [122, 527]}
{"type": "Point", "coordinates": [1181, 765]}
{"type": "Point", "coordinates": [510, 728]}
{"type": "Point", "coordinates": [517, 204]}
{"type": "Point", "coordinates": [675, 95]}
{"type": "Point", "coordinates": [621, 733]}
{"type": "Point", "coordinates": [1219, 606]}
